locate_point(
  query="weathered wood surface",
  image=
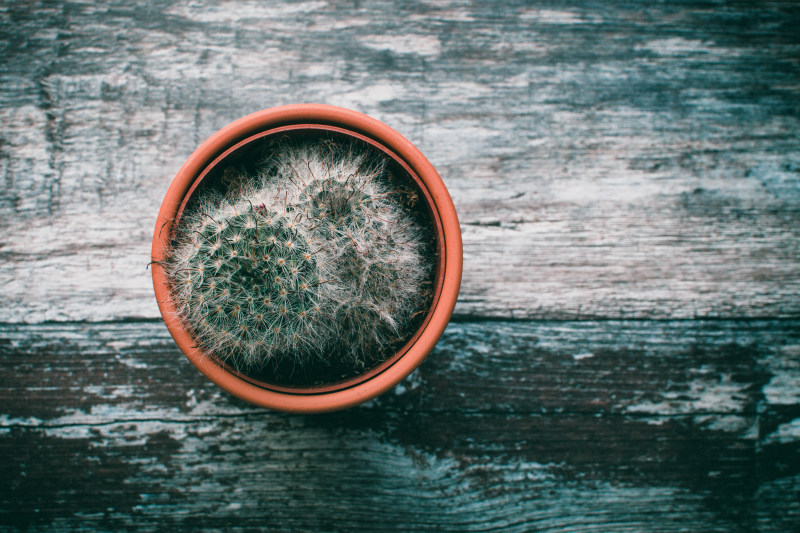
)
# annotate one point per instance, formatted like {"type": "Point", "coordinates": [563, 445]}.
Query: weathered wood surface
{"type": "Point", "coordinates": [627, 160]}
{"type": "Point", "coordinates": [513, 426]}
{"type": "Point", "coordinates": [632, 161]}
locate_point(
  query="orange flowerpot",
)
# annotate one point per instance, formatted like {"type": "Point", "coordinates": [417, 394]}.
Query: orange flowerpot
{"type": "Point", "coordinates": [231, 142]}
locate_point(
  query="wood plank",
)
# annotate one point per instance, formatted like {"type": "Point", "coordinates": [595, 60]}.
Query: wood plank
{"type": "Point", "coordinates": [635, 160]}
{"type": "Point", "coordinates": [626, 174]}
{"type": "Point", "coordinates": [514, 426]}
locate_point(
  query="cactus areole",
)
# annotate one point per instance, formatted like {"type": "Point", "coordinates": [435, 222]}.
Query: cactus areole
{"type": "Point", "coordinates": [306, 258]}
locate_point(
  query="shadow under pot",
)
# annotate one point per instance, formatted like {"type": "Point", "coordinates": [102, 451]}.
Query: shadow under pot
{"type": "Point", "coordinates": [307, 258]}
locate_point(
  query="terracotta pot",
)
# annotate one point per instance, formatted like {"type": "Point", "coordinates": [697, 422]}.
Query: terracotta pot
{"type": "Point", "coordinates": [232, 140]}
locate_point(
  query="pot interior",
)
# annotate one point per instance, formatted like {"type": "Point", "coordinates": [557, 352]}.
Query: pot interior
{"type": "Point", "coordinates": [332, 370]}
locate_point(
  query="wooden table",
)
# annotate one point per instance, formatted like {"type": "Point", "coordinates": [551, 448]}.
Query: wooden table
{"type": "Point", "coordinates": [625, 353]}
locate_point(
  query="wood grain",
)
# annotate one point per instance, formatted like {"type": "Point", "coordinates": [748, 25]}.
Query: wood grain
{"type": "Point", "coordinates": [513, 426]}
{"type": "Point", "coordinates": [625, 354]}
{"type": "Point", "coordinates": [632, 161]}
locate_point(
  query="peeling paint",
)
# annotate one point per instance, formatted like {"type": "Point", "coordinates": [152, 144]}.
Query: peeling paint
{"type": "Point", "coordinates": [786, 433]}
{"type": "Point", "coordinates": [423, 45]}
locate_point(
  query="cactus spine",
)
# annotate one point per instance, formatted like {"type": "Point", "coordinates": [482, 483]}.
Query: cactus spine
{"type": "Point", "coordinates": [312, 254]}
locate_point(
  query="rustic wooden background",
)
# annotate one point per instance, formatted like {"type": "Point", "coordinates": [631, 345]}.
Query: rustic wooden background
{"type": "Point", "coordinates": [625, 353]}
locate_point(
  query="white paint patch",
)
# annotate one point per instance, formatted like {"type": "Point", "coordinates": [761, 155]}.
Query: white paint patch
{"type": "Point", "coordinates": [456, 15]}
{"type": "Point", "coordinates": [530, 48]}
{"type": "Point", "coordinates": [708, 394]}
{"type": "Point", "coordinates": [130, 424]}
{"type": "Point", "coordinates": [110, 393]}
{"type": "Point", "coordinates": [335, 24]}
{"type": "Point", "coordinates": [120, 345]}
{"type": "Point", "coordinates": [118, 425]}
{"type": "Point", "coordinates": [30, 421]}
{"type": "Point", "coordinates": [423, 45]}
{"type": "Point", "coordinates": [192, 398]}
{"type": "Point", "coordinates": [528, 471]}
{"type": "Point", "coordinates": [784, 387]}
{"type": "Point", "coordinates": [786, 433]}
{"type": "Point", "coordinates": [130, 362]}
{"type": "Point", "coordinates": [552, 16]}
{"type": "Point", "coordinates": [729, 424]}
{"type": "Point", "coordinates": [368, 96]}
{"type": "Point", "coordinates": [675, 45]}
{"type": "Point", "coordinates": [228, 12]}
{"type": "Point", "coordinates": [216, 405]}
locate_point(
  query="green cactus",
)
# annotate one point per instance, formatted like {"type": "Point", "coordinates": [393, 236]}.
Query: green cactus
{"type": "Point", "coordinates": [249, 284]}
{"type": "Point", "coordinates": [311, 257]}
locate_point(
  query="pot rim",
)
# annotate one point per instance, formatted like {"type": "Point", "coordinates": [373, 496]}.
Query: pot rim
{"type": "Point", "coordinates": [375, 381]}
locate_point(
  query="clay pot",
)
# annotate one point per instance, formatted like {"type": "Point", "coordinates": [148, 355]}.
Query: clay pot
{"type": "Point", "coordinates": [232, 141]}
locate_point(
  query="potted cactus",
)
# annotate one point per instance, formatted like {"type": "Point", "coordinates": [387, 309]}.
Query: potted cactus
{"type": "Point", "coordinates": [306, 258]}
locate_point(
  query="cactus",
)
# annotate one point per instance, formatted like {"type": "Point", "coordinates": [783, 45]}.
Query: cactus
{"type": "Point", "coordinates": [311, 256]}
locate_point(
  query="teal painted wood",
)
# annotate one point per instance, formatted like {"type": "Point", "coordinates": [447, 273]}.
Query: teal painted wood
{"type": "Point", "coordinates": [627, 160]}
{"type": "Point", "coordinates": [513, 426]}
